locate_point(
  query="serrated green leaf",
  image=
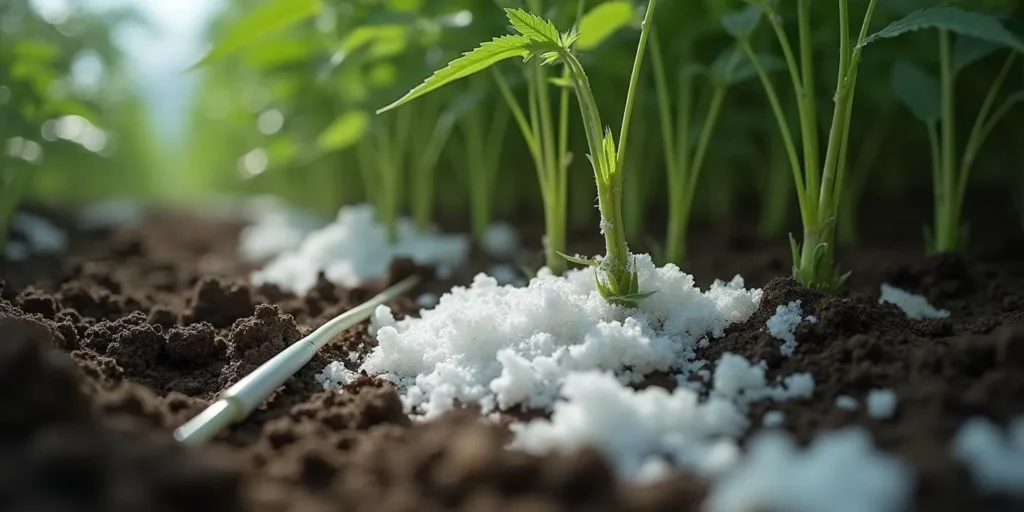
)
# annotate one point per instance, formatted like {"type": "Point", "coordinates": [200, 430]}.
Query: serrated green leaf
{"type": "Point", "coordinates": [965, 23]}
{"type": "Point", "coordinates": [532, 26]}
{"type": "Point", "coordinates": [479, 59]}
{"type": "Point", "coordinates": [742, 23]}
{"type": "Point", "coordinates": [602, 21]}
{"type": "Point", "coordinates": [271, 17]}
{"type": "Point", "coordinates": [344, 132]}
{"type": "Point", "coordinates": [968, 50]}
{"type": "Point", "coordinates": [918, 90]}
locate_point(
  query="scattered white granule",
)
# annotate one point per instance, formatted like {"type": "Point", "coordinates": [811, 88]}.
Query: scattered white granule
{"type": "Point", "coordinates": [500, 240]}
{"type": "Point", "coordinates": [782, 325]}
{"type": "Point", "coordinates": [915, 306]}
{"type": "Point", "coordinates": [744, 383]}
{"type": "Point", "coordinates": [846, 402]}
{"type": "Point", "coordinates": [426, 300]}
{"type": "Point", "coordinates": [335, 375]}
{"type": "Point", "coordinates": [504, 347]}
{"type": "Point", "coordinates": [773, 419]}
{"type": "Point", "coordinates": [275, 227]}
{"type": "Point", "coordinates": [382, 317]}
{"type": "Point", "coordinates": [632, 427]}
{"type": "Point", "coordinates": [353, 357]}
{"type": "Point", "coordinates": [881, 403]}
{"type": "Point", "coordinates": [995, 459]}
{"type": "Point", "coordinates": [839, 472]}
{"type": "Point", "coordinates": [356, 248]}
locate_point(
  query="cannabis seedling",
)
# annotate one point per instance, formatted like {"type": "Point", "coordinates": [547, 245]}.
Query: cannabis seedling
{"type": "Point", "coordinates": [932, 102]}
{"type": "Point", "coordinates": [818, 189]}
{"type": "Point", "coordinates": [616, 277]}
{"type": "Point", "coordinates": [684, 155]}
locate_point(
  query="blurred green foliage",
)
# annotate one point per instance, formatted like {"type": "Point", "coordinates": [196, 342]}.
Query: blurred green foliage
{"type": "Point", "coordinates": [288, 92]}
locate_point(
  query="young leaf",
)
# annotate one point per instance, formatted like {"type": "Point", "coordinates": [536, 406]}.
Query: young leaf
{"type": "Point", "coordinates": [602, 21]}
{"type": "Point", "coordinates": [610, 155]}
{"type": "Point", "coordinates": [271, 17]}
{"type": "Point", "coordinates": [579, 260]}
{"type": "Point", "coordinates": [344, 131]}
{"type": "Point", "coordinates": [481, 58]}
{"type": "Point", "coordinates": [532, 26]}
{"type": "Point", "coordinates": [742, 23]}
{"type": "Point", "coordinates": [968, 50]}
{"type": "Point", "coordinates": [918, 90]}
{"type": "Point", "coordinates": [966, 23]}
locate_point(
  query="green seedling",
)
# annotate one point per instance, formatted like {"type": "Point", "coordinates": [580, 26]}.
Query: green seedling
{"type": "Point", "coordinates": [382, 159]}
{"type": "Point", "coordinates": [483, 142]}
{"type": "Point", "coordinates": [548, 146]}
{"type": "Point", "coordinates": [429, 145]}
{"type": "Point", "coordinates": [932, 101]}
{"type": "Point", "coordinates": [687, 138]}
{"type": "Point", "coordinates": [538, 38]}
{"type": "Point", "coordinates": [819, 189]}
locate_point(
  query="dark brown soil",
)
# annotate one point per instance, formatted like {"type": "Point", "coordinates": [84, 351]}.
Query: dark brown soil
{"type": "Point", "coordinates": [103, 355]}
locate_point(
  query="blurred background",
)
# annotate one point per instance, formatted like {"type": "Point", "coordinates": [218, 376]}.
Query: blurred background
{"type": "Point", "coordinates": [100, 100]}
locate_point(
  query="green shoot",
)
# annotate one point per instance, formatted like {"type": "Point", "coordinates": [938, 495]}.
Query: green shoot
{"type": "Point", "coordinates": [685, 155]}
{"type": "Point", "coordinates": [430, 143]}
{"type": "Point", "coordinates": [933, 102]}
{"type": "Point", "coordinates": [819, 189]}
{"type": "Point", "coordinates": [382, 158]}
{"type": "Point", "coordinates": [538, 38]}
{"type": "Point", "coordinates": [483, 148]}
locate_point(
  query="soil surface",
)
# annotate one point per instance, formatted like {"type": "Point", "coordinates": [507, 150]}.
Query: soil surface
{"type": "Point", "coordinates": [104, 352]}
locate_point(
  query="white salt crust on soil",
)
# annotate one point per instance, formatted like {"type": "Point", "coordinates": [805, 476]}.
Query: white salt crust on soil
{"type": "Point", "coordinates": [556, 345]}
{"type": "Point", "coordinates": [916, 307]}
{"type": "Point", "coordinates": [274, 228]}
{"type": "Point", "coordinates": [355, 249]}
{"type": "Point", "coordinates": [840, 471]}
{"type": "Point", "coordinates": [994, 458]}
{"type": "Point", "coordinates": [782, 325]}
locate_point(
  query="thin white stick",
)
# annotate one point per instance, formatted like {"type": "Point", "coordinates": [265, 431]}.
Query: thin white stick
{"type": "Point", "coordinates": [238, 401]}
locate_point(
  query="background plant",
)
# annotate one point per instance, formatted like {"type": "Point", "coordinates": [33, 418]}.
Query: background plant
{"type": "Point", "coordinates": [932, 101]}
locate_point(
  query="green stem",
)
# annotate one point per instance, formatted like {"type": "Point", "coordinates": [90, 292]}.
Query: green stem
{"type": "Point", "coordinates": [816, 266]}
{"type": "Point", "coordinates": [983, 125]}
{"type": "Point", "coordinates": [676, 150]}
{"type": "Point", "coordinates": [936, 155]}
{"type": "Point", "coordinates": [808, 97]}
{"type": "Point", "coordinates": [787, 135]}
{"type": "Point", "coordinates": [947, 236]}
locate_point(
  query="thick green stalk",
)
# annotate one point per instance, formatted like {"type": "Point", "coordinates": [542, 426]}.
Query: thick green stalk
{"type": "Point", "coordinates": [816, 266]}
{"type": "Point", "coordinates": [809, 97]}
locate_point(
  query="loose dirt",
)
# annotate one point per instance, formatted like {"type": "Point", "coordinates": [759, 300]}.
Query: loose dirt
{"type": "Point", "coordinates": [104, 353]}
